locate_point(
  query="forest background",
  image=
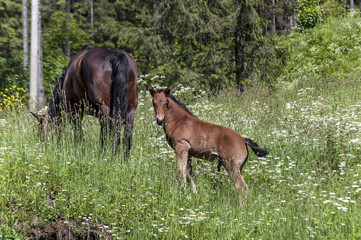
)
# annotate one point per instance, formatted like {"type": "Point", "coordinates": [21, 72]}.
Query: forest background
{"type": "Point", "coordinates": [207, 44]}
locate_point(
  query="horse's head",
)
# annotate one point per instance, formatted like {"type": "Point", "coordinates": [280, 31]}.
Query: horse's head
{"type": "Point", "coordinates": [160, 103]}
{"type": "Point", "coordinates": [44, 124]}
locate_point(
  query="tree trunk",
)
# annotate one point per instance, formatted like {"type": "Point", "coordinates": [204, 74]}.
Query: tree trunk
{"type": "Point", "coordinates": [239, 50]}
{"type": "Point", "coordinates": [25, 33]}
{"type": "Point", "coordinates": [67, 48]}
{"type": "Point", "coordinates": [273, 26]}
{"type": "Point", "coordinates": [293, 20]}
{"type": "Point", "coordinates": [294, 16]}
{"type": "Point", "coordinates": [36, 71]}
{"type": "Point", "coordinates": [92, 19]}
{"type": "Point", "coordinates": [351, 5]}
{"type": "Point", "coordinates": [34, 59]}
{"type": "Point", "coordinates": [41, 93]}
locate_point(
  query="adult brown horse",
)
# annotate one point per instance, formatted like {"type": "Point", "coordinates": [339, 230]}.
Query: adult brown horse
{"type": "Point", "coordinates": [190, 136]}
{"type": "Point", "coordinates": [102, 80]}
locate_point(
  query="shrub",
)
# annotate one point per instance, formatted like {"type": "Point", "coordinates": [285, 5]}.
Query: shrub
{"type": "Point", "coordinates": [13, 98]}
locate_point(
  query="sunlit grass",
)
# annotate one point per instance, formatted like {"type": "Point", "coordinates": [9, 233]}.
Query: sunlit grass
{"type": "Point", "coordinates": [308, 187]}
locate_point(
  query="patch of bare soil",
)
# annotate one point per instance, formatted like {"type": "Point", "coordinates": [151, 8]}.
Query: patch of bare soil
{"type": "Point", "coordinates": [67, 230]}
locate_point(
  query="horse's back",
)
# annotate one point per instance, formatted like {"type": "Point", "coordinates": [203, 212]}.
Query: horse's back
{"type": "Point", "coordinates": [96, 74]}
{"type": "Point", "coordinates": [215, 139]}
{"type": "Point", "coordinates": [232, 144]}
{"type": "Point", "coordinates": [97, 69]}
{"type": "Point", "coordinates": [89, 77]}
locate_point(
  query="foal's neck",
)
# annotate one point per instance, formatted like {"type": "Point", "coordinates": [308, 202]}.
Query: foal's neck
{"type": "Point", "coordinates": [175, 112]}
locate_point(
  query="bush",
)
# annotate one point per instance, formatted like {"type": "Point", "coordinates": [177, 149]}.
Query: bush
{"type": "Point", "coordinates": [13, 98]}
{"type": "Point", "coordinates": [309, 13]}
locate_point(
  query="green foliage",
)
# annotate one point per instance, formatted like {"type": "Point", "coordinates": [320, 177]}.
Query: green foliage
{"type": "Point", "coordinates": [326, 52]}
{"type": "Point", "coordinates": [7, 232]}
{"type": "Point", "coordinates": [309, 13]}
{"type": "Point", "coordinates": [332, 9]}
{"type": "Point", "coordinates": [13, 72]}
{"type": "Point", "coordinates": [54, 64]}
{"type": "Point", "coordinates": [10, 29]}
{"type": "Point", "coordinates": [11, 63]}
{"type": "Point", "coordinates": [193, 41]}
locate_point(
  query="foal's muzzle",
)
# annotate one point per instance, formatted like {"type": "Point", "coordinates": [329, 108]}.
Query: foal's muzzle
{"type": "Point", "coordinates": [160, 121]}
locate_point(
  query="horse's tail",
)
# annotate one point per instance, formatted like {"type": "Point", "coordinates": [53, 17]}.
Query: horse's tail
{"type": "Point", "coordinates": [256, 149]}
{"type": "Point", "coordinates": [119, 88]}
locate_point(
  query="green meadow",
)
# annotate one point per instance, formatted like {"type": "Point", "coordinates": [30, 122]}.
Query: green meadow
{"type": "Point", "coordinates": [308, 187]}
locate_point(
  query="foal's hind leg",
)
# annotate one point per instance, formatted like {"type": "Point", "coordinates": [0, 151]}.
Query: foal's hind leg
{"type": "Point", "coordinates": [234, 170]}
{"type": "Point", "coordinates": [190, 175]}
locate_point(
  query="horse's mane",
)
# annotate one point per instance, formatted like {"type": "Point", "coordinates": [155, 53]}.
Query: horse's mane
{"type": "Point", "coordinates": [55, 98]}
{"type": "Point", "coordinates": [179, 103]}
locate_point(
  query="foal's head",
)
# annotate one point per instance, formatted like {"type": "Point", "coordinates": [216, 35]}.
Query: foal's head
{"type": "Point", "coordinates": [43, 124]}
{"type": "Point", "coordinates": [160, 103]}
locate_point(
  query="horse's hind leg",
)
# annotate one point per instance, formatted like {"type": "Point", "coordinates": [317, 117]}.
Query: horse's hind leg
{"type": "Point", "coordinates": [128, 128]}
{"type": "Point", "coordinates": [233, 168]}
{"type": "Point", "coordinates": [75, 118]}
{"type": "Point", "coordinates": [190, 175]}
{"type": "Point", "coordinates": [104, 127]}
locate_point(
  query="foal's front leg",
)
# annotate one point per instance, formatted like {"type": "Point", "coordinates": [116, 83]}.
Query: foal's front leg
{"type": "Point", "coordinates": [181, 150]}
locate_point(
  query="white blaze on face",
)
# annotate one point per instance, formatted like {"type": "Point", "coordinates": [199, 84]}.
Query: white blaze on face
{"type": "Point", "coordinates": [160, 116]}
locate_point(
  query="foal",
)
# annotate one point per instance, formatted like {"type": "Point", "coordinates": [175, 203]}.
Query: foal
{"type": "Point", "coordinates": [190, 136]}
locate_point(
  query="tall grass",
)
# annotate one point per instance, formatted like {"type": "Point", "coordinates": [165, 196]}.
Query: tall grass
{"type": "Point", "coordinates": [308, 187]}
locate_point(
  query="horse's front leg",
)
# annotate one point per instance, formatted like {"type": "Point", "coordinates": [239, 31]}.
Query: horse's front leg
{"type": "Point", "coordinates": [181, 150]}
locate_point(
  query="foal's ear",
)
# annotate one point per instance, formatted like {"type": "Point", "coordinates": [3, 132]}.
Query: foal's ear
{"type": "Point", "coordinates": [167, 91]}
{"type": "Point", "coordinates": [41, 118]}
{"type": "Point", "coordinates": [151, 90]}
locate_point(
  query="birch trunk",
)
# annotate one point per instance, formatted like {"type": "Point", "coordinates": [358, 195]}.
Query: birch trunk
{"type": "Point", "coordinates": [34, 57]}
{"type": "Point", "coordinates": [41, 93]}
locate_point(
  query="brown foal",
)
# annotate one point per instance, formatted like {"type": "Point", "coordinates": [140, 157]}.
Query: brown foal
{"type": "Point", "coordinates": [190, 136]}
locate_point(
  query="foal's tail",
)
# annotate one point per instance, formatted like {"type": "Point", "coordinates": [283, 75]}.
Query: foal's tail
{"type": "Point", "coordinates": [256, 149]}
{"type": "Point", "coordinates": [119, 89]}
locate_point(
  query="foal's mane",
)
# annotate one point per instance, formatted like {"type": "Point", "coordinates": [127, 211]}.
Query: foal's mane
{"type": "Point", "coordinates": [179, 103]}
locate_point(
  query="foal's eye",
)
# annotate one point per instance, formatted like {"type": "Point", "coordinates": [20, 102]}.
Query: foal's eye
{"type": "Point", "coordinates": [166, 104]}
